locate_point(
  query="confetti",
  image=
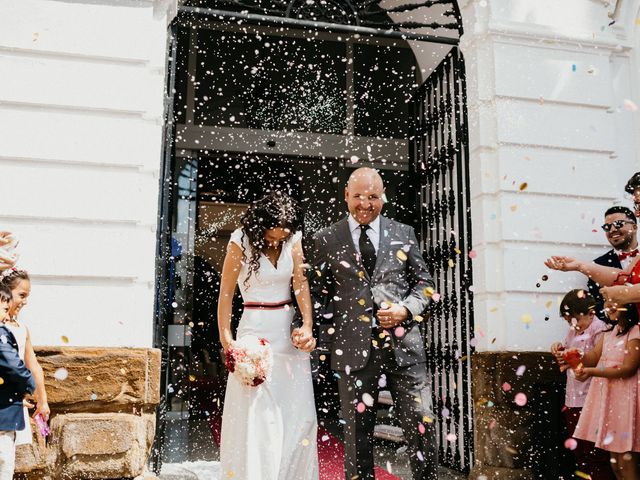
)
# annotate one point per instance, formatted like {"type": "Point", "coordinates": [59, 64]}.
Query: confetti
{"type": "Point", "coordinates": [338, 352]}
{"type": "Point", "coordinates": [526, 318]}
{"type": "Point", "coordinates": [582, 475]}
{"type": "Point", "coordinates": [64, 339]}
{"type": "Point", "coordinates": [520, 399]}
{"type": "Point", "coordinates": [399, 332]}
{"type": "Point", "coordinates": [506, 387]}
{"type": "Point", "coordinates": [367, 399]}
{"type": "Point", "coordinates": [305, 442]}
{"type": "Point", "coordinates": [361, 407]}
{"type": "Point", "coordinates": [513, 208]}
{"type": "Point", "coordinates": [61, 374]}
{"type": "Point", "coordinates": [520, 371]}
{"type": "Point", "coordinates": [472, 254]}
{"type": "Point", "coordinates": [452, 437]}
{"type": "Point", "coordinates": [523, 186]}
{"type": "Point", "coordinates": [401, 255]}
{"type": "Point", "coordinates": [435, 297]}
{"type": "Point", "coordinates": [345, 264]}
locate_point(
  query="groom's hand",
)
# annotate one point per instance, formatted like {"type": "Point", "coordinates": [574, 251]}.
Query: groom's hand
{"type": "Point", "coordinates": [392, 314]}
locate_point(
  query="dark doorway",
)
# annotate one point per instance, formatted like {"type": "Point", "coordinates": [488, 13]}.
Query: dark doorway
{"type": "Point", "coordinates": [212, 193]}
{"type": "Point", "coordinates": [255, 108]}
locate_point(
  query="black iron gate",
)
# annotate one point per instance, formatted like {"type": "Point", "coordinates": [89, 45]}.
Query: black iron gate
{"type": "Point", "coordinates": [440, 159]}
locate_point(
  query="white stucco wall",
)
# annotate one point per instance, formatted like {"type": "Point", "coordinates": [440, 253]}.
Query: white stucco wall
{"type": "Point", "coordinates": [81, 105]}
{"type": "Point", "coordinates": [547, 81]}
{"type": "Point", "coordinates": [81, 101]}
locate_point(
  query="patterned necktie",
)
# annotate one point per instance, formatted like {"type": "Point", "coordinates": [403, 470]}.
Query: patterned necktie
{"type": "Point", "coordinates": [367, 252]}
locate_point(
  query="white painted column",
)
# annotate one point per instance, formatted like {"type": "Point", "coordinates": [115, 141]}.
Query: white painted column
{"type": "Point", "coordinates": [81, 107]}
{"type": "Point", "coordinates": [551, 148]}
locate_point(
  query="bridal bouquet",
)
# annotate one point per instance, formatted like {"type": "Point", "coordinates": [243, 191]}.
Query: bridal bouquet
{"type": "Point", "coordinates": [250, 359]}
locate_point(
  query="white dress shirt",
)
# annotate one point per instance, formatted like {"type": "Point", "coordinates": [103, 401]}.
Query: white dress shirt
{"type": "Point", "coordinates": [373, 232]}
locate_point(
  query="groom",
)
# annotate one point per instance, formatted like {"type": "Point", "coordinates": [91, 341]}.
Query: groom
{"type": "Point", "coordinates": [368, 275]}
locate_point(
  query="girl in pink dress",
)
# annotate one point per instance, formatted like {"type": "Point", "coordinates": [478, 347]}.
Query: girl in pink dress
{"type": "Point", "coordinates": [610, 417]}
{"type": "Point", "coordinates": [585, 330]}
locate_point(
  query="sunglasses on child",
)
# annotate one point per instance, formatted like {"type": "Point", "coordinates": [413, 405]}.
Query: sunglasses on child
{"type": "Point", "coordinates": [618, 224]}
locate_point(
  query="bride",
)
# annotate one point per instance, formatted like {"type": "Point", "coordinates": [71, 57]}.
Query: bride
{"type": "Point", "coordinates": [269, 431]}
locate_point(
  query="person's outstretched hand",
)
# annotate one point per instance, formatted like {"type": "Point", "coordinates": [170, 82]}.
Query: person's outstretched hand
{"type": "Point", "coordinates": [563, 264]}
{"type": "Point", "coordinates": [7, 256]}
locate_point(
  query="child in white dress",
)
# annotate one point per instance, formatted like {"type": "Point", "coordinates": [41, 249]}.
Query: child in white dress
{"type": "Point", "coordinates": [20, 285]}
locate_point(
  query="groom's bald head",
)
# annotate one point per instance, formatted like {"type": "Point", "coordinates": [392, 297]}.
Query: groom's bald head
{"type": "Point", "coordinates": [364, 195]}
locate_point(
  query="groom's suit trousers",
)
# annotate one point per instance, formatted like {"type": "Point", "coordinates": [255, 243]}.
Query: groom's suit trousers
{"type": "Point", "coordinates": [411, 391]}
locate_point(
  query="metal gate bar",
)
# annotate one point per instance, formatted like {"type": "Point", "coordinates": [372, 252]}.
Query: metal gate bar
{"type": "Point", "coordinates": [439, 152]}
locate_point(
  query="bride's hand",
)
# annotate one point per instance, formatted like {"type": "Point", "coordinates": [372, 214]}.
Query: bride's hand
{"type": "Point", "coordinates": [226, 344]}
{"type": "Point", "coordinates": [303, 340]}
{"type": "Point", "coordinates": [563, 264]}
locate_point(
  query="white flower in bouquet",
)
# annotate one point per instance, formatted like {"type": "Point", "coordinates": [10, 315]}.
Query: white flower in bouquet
{"type": "Point", "coordinates": [250, 359]}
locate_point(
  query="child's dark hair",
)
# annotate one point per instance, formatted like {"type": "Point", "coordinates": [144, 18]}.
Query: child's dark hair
{"type": "Point", "coordinates": [5, 294]}
{"type": "Point", "coordinates": [627, 319]}
{"type": "Point", "coordinates": [577, 302]}
{"type": "Point", "coordinates": [12, 278]}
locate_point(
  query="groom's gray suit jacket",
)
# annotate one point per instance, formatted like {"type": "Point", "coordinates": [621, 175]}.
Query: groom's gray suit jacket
{"type": "Point", "coordinates": [343, 291]}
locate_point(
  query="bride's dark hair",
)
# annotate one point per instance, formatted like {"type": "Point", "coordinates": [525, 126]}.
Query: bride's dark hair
{"type": "Point", "coordinates": [274, 210]}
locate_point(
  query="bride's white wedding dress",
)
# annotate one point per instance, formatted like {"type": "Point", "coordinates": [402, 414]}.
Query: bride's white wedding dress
{"type": "Point", "coordinates": [269, 431]}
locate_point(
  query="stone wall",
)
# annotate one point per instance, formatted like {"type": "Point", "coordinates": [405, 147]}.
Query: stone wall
{"type": "Point", "coordinates": [516, 440]}
{"type": "Point", "coordinates": [103, 403]}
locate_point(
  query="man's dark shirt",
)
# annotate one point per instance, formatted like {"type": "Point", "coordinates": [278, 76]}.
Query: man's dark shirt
{"type": "Point", "coordinates": [609, 259]}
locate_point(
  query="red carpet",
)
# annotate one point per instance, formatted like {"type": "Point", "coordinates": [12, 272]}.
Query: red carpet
{"type": "Point", "coordinates": [331, 459]}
